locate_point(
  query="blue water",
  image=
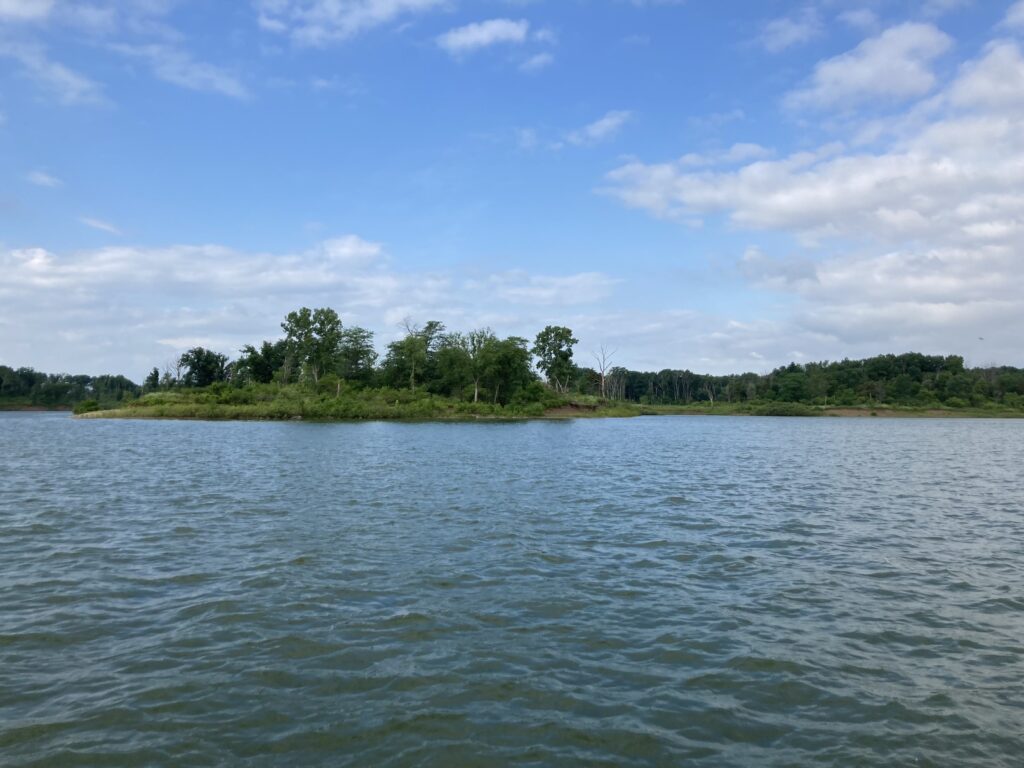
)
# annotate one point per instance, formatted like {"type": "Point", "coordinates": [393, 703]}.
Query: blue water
{"type": "Point", "coordinates": [654, 591]}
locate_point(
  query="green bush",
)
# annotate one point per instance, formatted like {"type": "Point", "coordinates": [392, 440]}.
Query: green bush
{"type": "Point", "coordinates": [86, 406]}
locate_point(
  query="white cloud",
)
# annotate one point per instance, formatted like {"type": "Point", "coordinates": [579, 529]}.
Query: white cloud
{"type": "Point", "coordinates": [68, 86]}
{"type": "Point", "coordinates": [25, 10]}
{"type": "Point", "coordinates": [537, 62]}
{"type": "Point", "coordinates": [894, 66]}
{"type": "Point", "coordinates": [101, 225]}
{"type": "Point", "coordinates": [782, 33]}
{"type": "Point", "coordinates": [483, 34]}
{"type": "Point", "coordinates": [602, 129]}
{"type": "Point", "coordinates": [917, 244]}
{"type": "Point", "coordinates": [323, 22]}
{"type": "Point", "coordinates": [993, 82]}
{"type": "Point", "coordinates": [157, 301]}
{"type": "Point", "coordinates": [42, 179]}
{"type": "Point", "coordinates": [737, 153]}
{"type": "Point", "coordinates": [1015, 16]}
{"type": "Point", "coordinates": [177, 67]}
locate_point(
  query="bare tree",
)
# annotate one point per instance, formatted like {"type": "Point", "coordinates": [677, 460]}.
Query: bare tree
{"type": "Point", "coordinates": [604, 361]}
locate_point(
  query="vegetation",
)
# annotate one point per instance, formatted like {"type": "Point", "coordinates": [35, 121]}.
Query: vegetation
{"type": "Point", "coordinates": [26, 388]}
{"type": "Point", "coordinates": [321, 369]}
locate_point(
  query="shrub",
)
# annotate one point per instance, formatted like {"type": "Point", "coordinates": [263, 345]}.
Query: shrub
{"type": "Point", "coordinates": [86, 406]}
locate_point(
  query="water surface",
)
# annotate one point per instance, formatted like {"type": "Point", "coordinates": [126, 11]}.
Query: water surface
{"type": "Point", "coordinates": [655, 591]}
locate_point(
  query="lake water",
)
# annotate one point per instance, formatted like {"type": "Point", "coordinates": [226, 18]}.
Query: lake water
{"type": "Point", "coordinates": [653, 591]}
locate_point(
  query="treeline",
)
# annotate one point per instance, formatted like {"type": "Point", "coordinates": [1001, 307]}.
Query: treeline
{"type": "Point", "coordinates": [317, 354]}
{"type": "Point", "coordinates": [910, 379]}
{"type": "Point", "coordinates": [30, 388]}
{"type": "Point", "coordinates": [478, 366]}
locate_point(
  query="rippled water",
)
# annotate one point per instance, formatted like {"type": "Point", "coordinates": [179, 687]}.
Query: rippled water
{"type": "Point", "coordinates": [655, 591]}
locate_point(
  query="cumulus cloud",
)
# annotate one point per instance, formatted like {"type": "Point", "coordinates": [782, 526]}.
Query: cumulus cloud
{"type": "Point", "coordinates": [892, 67]}
{"type": "Point", "coordinates": [483, 34]}
{"type": "Point", "coordinates": [1015, 16]}
{"type": "Point", "coordinates": [125, 308]}
{"type": "Point", "coordinates": [602, 129]}
{"type": "Point", "coordinates": [918, 243]}
{"type": "Point", "coordinates": [323, 22]}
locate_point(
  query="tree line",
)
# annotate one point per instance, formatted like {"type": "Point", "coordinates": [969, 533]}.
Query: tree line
{"type": "Point", "coordinates": [28, 387]}
{"type": "Point", "coordinates": [480, 366]}
{"type": "Point", "coordinates": [317, 350]}
{"type": "Point", "coordinates": [910, 379]}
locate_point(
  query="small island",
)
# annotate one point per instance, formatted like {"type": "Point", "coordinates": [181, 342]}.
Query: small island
{"type": "Point", "coordinates": [322, 370]}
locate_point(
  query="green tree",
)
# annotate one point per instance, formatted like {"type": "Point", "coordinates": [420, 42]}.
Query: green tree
{"type": "Point", "coordinates": [203, 367]}
{"type": "Point", "coordinates": [412, 359]}
{"type": "Point", "coordinates": [507, 368]}
{"type": "Point", "coordinates": [260, 365]}
{"type": "Point", "coordinates": [152, 382]}
{"type": "Point", "coordinates": [553, 348]}
{"type": "Point", "coordinates": [314, 336]}
{"type": "Point", "coordinates": [356, 355]}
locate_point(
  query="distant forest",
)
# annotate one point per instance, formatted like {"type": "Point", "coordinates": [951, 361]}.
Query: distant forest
{"type": "Point", "coordinates": [318, 353]}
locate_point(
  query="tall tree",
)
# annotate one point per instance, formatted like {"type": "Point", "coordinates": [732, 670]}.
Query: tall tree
{"type": "Point", "coordinates": [553, 348]}
{"type": "Point", "coordinates": [313, 336]}
{"type": "Point", "coordinates": [604, 362]}
{"type": "Point", "coordinates": [356, 355]}
{"type": "Point", "coordinates": [411, 359]}
{"type": "Point", "coordinates": [507, 367]}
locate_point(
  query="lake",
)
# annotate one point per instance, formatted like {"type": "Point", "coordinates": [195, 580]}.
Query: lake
{"type": "Point", "coordinates": [653, 591]}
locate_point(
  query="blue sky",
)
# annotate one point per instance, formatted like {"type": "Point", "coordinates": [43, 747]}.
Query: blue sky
{"type": "Point", "coordinates": [718, 186]}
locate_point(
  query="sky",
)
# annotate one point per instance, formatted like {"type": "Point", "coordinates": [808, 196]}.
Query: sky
{"type": "Point", "coordinates": [719, 186]}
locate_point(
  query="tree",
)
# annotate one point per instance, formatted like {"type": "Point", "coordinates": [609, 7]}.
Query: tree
{"type": "Point", "coordinates": [604, 361]}
{"type": "Point", "coordinates": [356, 355]}
{"type": "Point", "coordinates": [553, 347]}
{"type": "Point", "coordinates": [313, 336]}
{"type": "Point", "coordinates": [203, 367]}
{"type": "Point", "coordinates": [412, 358]}
{"type": "Point", "coordinates": [507, 367]}
{"type": "Point", "coordinates": [152, 381]}
{"type": "Point", "coordinates": [260, 365]}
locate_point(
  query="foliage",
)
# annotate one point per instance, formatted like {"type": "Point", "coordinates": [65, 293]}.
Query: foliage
{"type": "Point", "coordinates": [553, 348]}
{"type": "Point", "coordinates": [26, 387]}
{"type": "Point", "coordinates": [203, 367]}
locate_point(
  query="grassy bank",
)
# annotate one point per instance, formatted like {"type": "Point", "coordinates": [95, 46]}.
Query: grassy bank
{"type": "Point", "coordinates": [293, 402]}
{"type": "Point", "coordinates": [269, 402]}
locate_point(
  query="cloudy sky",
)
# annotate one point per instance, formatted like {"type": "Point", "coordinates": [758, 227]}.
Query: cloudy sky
{"type": "Point", "coordinates": [722, 186]}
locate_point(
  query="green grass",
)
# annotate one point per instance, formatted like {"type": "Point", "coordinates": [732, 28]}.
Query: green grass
{"type": "Point", "coordinates": [270, 402]}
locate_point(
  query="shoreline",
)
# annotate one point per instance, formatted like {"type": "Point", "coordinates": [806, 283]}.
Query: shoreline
{"type": "Point", "coordinates": [562, 413]}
